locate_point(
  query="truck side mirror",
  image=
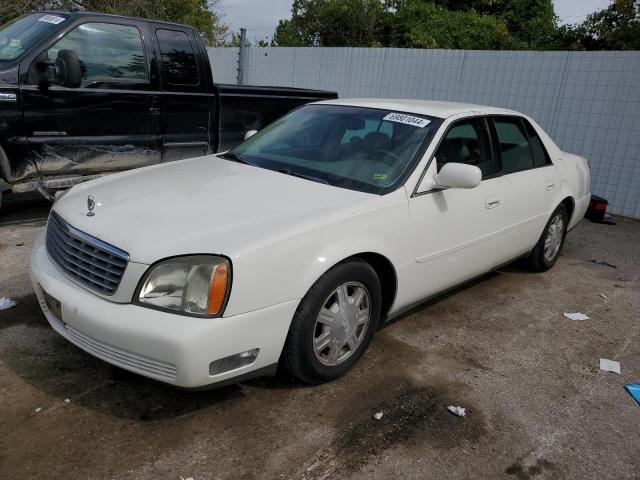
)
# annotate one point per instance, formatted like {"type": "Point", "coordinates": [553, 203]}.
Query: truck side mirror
{"type": "Point", "coordinates": [68, 69]}
{"type": "Point", "coordinates": [250, 134]}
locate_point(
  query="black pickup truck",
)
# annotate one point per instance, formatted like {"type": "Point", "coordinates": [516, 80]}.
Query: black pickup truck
{"type": "Point", "coordinates": [84, 94]}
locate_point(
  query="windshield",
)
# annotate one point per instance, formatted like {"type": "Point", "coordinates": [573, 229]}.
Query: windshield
{"type": "Point", "coordinates": [20, 35]}
{"type": "Point", "coordinates": [362, 149]}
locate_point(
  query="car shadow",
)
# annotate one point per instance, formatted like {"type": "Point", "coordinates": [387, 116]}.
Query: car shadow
{"type": "Point", "coordinates": [49, 363]}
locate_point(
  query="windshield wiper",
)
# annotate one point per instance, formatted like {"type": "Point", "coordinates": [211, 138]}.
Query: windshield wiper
{"type": "Point", "coordinates": [234, 157]}
{"type": "Point", "coordinates": [287, 171]}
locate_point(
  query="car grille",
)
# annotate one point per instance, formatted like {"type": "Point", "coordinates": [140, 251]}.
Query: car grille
{"type": "Point", "coordinates": [86, 259]}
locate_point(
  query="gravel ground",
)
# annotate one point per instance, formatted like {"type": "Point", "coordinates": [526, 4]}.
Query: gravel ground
{"type": "Point", "coordinates": [537, 404]}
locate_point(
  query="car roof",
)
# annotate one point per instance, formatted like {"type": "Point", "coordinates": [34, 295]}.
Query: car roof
{"type": "Point", "coordinates": [86, 13]}
{"type": "Point", "coordinates": [424, 107]}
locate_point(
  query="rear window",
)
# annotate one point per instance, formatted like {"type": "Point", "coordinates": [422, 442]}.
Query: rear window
{"type": "Point", "coordinates": [540, 155]}
{"type": "Point", "coordinates": [515, 151]}
{"type": "Point", "coordinates": [178, 58]}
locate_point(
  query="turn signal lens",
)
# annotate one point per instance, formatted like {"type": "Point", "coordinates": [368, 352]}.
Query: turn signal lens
{"type": "Point", "coordinates": [218, 289]}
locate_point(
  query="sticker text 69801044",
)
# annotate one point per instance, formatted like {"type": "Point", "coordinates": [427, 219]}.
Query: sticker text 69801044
{"type": "Point", "coordinates": [407, 119]}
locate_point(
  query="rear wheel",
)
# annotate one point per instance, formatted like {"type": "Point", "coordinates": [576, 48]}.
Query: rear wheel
{"type": "Point", "coordinates": [547, 250]}
{"type": "Point", "coordinates": [334, 323]}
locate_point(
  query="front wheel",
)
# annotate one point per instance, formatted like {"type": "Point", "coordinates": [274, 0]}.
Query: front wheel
{"type": "Point", "coordinates": [334, 323]}
{"type": "Point", "coordinates": [547, 250]}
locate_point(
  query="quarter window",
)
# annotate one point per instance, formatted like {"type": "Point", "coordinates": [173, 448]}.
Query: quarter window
{"type": "Point", "coordinates": [107, 53]}
{"type": "Point", "coordinates": [515, 152]}
{"type": "Point", "coordinates": [540, 155]}
{"type": "Point", "coordinates": [466, 142]}
{"type": "Point", "coordinates": [178, 59]}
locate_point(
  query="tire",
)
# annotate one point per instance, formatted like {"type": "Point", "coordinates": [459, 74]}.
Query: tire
{"type": "Point", "coordinates": [544, 256]}
{"type": "Point", "coordinates": [356, 282]}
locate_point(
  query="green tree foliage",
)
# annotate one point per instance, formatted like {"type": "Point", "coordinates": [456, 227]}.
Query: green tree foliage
{"type": "Point", "coordinates": [419, 24]}
{"type": "Point", "coordinates": [616, 27]}
{"type": "Point", "coordinates": [200, 14]}
{"type": "Point", "coordinates": [467, 24]}
{"type": "Point", "coordinates": [335, 23]}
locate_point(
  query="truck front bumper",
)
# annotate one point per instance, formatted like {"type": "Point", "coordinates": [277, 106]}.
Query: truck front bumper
{"type": "Point", "coordinates": [171, 348]}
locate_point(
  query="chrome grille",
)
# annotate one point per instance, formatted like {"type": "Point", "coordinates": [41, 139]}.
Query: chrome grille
{"type": "Point", "coordinates": [86, 259]}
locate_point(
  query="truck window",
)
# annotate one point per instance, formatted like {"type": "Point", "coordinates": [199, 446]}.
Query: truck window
{"type": "Point", "coordinates": [178, 59]}
{"type": "Point", "coordinates": [19, 35]}
{"type": "Point", "coordinates": [107, 53]}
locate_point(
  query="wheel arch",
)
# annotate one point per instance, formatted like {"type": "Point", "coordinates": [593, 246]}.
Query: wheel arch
{"type": "Point", "coordinates": [386, 273]}
{"type": "Point", "coordinates": [570, 204]}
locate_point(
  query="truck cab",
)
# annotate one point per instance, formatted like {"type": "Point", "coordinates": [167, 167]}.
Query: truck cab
{"type": "Point", "coordinates": [85, 94]}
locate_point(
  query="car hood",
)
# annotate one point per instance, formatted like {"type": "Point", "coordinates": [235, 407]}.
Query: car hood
{"type": "Point", "coordinates": [202, 205]}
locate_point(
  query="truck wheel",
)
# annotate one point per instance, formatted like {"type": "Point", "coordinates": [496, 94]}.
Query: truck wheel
{"type": "Point", "coordinates": [334, 323]}
{"type": "Point", "coordinates": [547, 250]}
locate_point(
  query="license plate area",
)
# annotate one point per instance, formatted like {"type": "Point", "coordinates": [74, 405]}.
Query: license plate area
{"type": "Point", "coordinates": [54, 305]}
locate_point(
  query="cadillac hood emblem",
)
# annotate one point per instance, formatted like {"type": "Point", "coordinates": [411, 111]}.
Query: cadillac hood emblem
{"type": "Point", "coordinates": [91, 204]}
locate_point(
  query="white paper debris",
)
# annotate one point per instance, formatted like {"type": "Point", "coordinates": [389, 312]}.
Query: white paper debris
{"type": "Point", "coordinates": [602, 295]}
{"type": "Point", "coordinates": [610, 366]}
{"type": "Point", "coordinates": [6, 303]}
{"type": "Point", "coordinates": [38, 409]}
{"type": "Point", "coordinates": [459, 411]}
{"type": "Point", "coordinates": [378, 415]}
{"type": "Point", "coordinates": [66, 400]}
{"type": "Point", "coordinates": [576, 316]}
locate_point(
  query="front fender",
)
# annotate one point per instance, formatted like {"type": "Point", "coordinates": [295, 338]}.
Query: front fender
{"type": "Point", "coordinates": [286, 270]}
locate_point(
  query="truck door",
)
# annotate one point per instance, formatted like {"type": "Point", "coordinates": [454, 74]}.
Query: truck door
{"type": "Point", "coordinates": [112, 120]}
{"type": "Point", "coordinates": [187, 101]}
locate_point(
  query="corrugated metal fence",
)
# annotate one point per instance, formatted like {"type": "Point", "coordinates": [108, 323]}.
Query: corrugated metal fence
{"type": "Point", "coordinates": [588, 101]}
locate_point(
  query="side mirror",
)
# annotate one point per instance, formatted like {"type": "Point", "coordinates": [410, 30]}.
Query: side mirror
{"type": "Point", "coordinates": [458, 175]}
{"type": "Point", "coordinates": [250, 134]}
{"type": "Point", "coordinates": [68, 69]}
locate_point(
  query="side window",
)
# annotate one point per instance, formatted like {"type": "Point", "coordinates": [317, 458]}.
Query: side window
{"type": "Point", "coordinates": [540, 155]}
{"type": "Point", "coordinates": [466, 142]}
{"type": "Point", "coordinates": [515, 151]}
{"type": "Point", "coordinates": [108, 53]}
{"type": "Point", "coordinates": [178, 58]}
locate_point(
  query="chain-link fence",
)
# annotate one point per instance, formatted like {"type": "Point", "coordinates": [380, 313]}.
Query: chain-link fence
{"type": "Point", "coordinates": [588, 101]}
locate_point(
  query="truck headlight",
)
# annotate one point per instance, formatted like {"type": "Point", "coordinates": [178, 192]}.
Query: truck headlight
{"type": "Point", "coordinates": [195, 285]}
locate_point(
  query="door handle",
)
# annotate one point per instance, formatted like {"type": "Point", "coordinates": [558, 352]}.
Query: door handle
{"type": "Point", "coordinates": [155, 107]}
{"type": "Point", "coordinates": [492, 202]}
{"type": "Point", "coordinates": [550, 185]}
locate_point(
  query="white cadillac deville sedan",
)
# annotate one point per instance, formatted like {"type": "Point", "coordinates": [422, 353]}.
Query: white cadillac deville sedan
{"type": "Point", "coordinates": [293, 247]}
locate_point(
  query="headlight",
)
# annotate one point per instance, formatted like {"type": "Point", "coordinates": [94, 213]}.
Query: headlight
{"type": "Point", "coordinates": [193, 285]}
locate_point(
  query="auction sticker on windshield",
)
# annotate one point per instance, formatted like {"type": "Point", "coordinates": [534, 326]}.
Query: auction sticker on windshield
{"type": "Point", "coordinates": [51, 19]}
{"type": "Point", "coordinates": [407, 119]}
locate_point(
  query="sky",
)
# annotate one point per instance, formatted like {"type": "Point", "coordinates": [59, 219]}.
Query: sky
{"type": "Point", "coordinates": [260, 17]}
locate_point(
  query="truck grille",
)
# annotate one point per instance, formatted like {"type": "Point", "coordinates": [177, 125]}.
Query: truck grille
{"type": "Point", "coordinates": [86, 259]}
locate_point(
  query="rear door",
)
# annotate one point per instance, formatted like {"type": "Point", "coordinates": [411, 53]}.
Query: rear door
{"type": "Point", "coordinates": [188, 103]}
{"type": "Point", "coordinates": [109, 122]}
{"type": "Point", "coordinates": [530, 187]}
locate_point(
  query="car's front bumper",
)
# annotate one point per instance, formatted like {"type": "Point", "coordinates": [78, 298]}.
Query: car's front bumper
{"type": "Point", "coordinates": [172, 348]}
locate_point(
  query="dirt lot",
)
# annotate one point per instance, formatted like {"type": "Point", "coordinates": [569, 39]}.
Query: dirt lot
{"type": "Point", "coordinates": [538, 406]}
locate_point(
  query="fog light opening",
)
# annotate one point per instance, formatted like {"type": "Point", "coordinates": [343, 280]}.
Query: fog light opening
{"type": "Point", "coordinates": [232, 362]}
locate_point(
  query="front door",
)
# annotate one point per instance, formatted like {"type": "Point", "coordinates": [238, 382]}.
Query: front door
{"type": "Point", "coordinates": [457, 230]}
{"type": "Point", "coordinates": [187, 103]}
{"type": "Point", "coordinates": [112, 121]}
